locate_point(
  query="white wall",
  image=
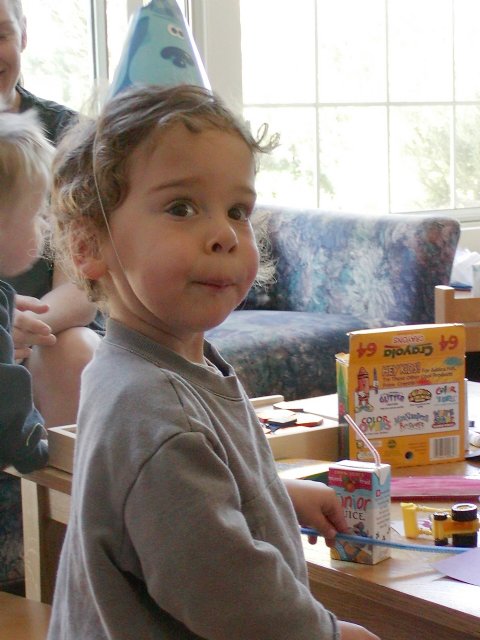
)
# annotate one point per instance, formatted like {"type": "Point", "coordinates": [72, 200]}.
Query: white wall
{"type": "Point", "coordinates": [470, 236]}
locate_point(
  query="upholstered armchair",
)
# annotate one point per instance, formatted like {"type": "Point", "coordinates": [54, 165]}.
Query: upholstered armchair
{"type": "Point", "coordinates": [335, 273]}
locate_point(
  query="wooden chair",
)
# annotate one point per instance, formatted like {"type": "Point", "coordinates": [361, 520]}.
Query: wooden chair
{"type": "Point", "coordinates": [464, 309]}
{"type": "Point", "coordinates": [23, 619]}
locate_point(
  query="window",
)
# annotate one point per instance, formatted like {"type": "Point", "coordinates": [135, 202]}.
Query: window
{"type": "Point", "coordinates": [377, 101]}
{"type": "Point", "coordinates": [57, 63]}
{"type": "Point", "coordinates": [74, 46]}
{"type": "Point", "coordinates": [72, 64]}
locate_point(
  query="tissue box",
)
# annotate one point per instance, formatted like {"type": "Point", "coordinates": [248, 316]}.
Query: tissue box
{"type": "Point", "coordinates": [405, 388]}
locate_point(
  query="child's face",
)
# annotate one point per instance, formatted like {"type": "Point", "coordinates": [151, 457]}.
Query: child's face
{"type": "Point", "coordinates": [183, 236]}
{"type": "Point", "coordinates": [19, 228]}
{"type": "Point", "coordinates": [12, 43]}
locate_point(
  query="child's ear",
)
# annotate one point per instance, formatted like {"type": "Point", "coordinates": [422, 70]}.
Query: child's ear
{"type": "Point", "coordinates": [91, 268]}
{"type": "Point", "coordinates": [86, 254]}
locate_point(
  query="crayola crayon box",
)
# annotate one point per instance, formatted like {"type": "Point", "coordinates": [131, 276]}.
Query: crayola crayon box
{"type": "Point", "coordinates": [364, 491]}
{"type": "Point", "coordinates": [405, 388]}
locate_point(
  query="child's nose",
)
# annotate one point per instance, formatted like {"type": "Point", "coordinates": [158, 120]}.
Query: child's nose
{"type": "Point", "coordinates": [222, 237]}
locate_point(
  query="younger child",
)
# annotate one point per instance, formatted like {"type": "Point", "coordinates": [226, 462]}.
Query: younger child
{"type": "Point", "coordinates": [25, 159]}
{"type": "Point", "coordinates": [180, 526]}
{"type": "Point", "coordinates": [56, 365]}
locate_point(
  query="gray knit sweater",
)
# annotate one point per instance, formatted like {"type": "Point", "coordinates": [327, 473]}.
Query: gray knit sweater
{"type": "Point", "coordinates": [180, 527]}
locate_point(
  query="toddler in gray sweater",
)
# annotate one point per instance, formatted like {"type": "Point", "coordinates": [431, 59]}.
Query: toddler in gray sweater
{"type": "Point", "coordinates": [180, 526]}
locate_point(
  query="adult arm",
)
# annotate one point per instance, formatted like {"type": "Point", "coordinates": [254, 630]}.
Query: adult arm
{"type": "Point", "coordinates": [64, 306]}
{"type": "Point", "coordinates": [68, 305]}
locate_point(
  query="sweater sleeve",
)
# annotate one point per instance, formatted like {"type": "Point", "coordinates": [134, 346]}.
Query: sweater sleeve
{"type": "Point", "coordinates": [22, 433]}
{"type": "Point", "coordinates": [204, 556]}
{"type": "Point", "coordinates": [21, 426]}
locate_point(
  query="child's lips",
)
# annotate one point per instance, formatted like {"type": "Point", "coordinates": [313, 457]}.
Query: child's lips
{"type": "Point", "coordinates": [216, 284]}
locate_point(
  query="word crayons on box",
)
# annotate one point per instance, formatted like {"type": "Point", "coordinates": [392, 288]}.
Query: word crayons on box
{"type": "Point", "coordinates": [405, 388]}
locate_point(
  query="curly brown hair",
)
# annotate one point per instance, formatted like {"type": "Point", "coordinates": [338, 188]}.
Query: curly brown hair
{"type": "Point", "coordinates": [90, 170]}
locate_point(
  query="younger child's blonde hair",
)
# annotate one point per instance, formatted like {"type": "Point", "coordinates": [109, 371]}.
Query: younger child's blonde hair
{"type": "Point", "coordinates": [91, 164]}
{"type": "Point", "coordinates": [25, 155]}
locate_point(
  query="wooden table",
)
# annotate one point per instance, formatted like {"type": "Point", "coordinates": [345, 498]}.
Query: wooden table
{"type": "Point", "coordinates": [403, 597]}
{"type": "Point", "coordinates": [400, 598]}
{"type": "Point", "coordinates": [46, 509]}
{"type": "Point", "coordinates": [22, 619]}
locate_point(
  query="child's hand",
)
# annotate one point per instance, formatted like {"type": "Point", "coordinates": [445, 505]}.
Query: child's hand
{"type": "Point", "coordinates": [317, 506]}
{"type": "Point", "coordinates": [350, 631]}
{"type": "Point", "coordinates": [27, 328]}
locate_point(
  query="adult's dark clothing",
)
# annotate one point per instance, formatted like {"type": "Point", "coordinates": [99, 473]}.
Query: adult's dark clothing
{"type": "Point", "coordinates": [36, 281]}
{"type": "Point", "coordinates": [54, 117]}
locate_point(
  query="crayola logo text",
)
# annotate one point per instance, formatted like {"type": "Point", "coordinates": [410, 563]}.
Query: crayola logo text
{"type": "Point", "coordinates": [391, 351]}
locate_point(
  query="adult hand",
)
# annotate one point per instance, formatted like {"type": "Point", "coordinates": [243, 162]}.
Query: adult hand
{"type": "Point", "coordinates": [28, 328]}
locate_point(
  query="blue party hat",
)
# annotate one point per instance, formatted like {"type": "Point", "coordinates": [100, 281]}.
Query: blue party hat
{"type": "Point", "coordinates": [159, 49]}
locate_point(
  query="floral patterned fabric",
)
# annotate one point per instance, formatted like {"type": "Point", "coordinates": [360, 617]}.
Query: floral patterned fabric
{"type": "Point", "coordinates": [335, 273]}
{"type": "Point", "coordinates": [11, 541]}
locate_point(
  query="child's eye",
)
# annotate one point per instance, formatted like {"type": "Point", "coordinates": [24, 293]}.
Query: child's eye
{"type": "Point", "coordinates": [181, 210]}
{"type": "Point", "coordinates": [7, 32]}
{"type": "Point", "coordinates": [239, 212]}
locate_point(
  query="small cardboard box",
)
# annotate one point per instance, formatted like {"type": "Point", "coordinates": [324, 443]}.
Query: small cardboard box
{"type": "Point", "coordinates": [405, 388]}
{"type": "Point", "coordinates": [61, 447]}
{"type": "Point", "coordinates": [364, 491]}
